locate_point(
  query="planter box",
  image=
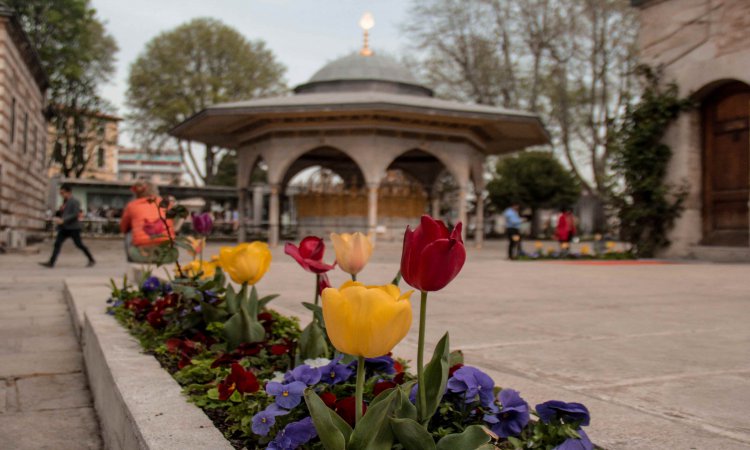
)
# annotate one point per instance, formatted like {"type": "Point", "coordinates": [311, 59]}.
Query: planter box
{"type": "Point", "coordinates": [139, 404]}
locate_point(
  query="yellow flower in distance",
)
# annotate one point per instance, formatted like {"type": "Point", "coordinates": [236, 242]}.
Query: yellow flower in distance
{"type": "Point", "coordinates": [611, 245]}
{"type": "Point", "coordinates": [565, 245]}
{"type": "Point", "coordinates": [585, 249]}
{"type": "Point", "coordinates": [246, 262]}
{"type": "Point", "coordinates": [352, 251]}
{"type": "Point", "coordinates": [538, 245]}
{"type": "Point", "coordinates": [192, 268]}
{"type": "Point", "coordinates": [366, 320]}
{"type": "Point", "coordinates": [196, 244]}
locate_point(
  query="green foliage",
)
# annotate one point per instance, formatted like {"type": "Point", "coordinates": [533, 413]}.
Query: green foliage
{"type": "Point", "coordinates": [200, 63]}
{"type": "Point", "coordinates": [535, 179]}
{"type": "Point", "coordinates": [436, 378]}
{"type": "Point", "coordinates": [648, 206]}
{"type": "Point", "coordinates": [77, 54]}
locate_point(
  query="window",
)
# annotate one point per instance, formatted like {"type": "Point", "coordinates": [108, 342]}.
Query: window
{"type": "Point", "coordinates": [100, 157]}
{"type": "Point", "coordinates": [34, 140]}
{"type": "Point", "coordinates": [25, 132]}
{"type": "Point", "coordinates": [13, 120]}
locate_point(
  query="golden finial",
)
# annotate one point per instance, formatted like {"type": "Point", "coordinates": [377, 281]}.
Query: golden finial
{"type": "Point", "coordinates": [366, 23]}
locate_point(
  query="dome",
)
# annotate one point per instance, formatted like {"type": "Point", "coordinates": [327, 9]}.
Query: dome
{"type": "Point", "coordinates": [357, 72]}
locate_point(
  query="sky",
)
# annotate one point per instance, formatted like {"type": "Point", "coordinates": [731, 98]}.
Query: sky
{"type": "Point", "coordinates": [303, 34]}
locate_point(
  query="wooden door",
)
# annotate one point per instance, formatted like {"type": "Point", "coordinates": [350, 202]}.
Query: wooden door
{"type": "Point", "coordinates": [726, 166]}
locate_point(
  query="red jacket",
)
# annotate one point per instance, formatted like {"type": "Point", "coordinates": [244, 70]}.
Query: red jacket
{"type": "Point", "coordinates": [566, 227]}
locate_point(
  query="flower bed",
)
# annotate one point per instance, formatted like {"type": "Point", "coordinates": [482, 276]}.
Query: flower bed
{"type": "Point", "coordinates": [268, 384]}
{"type": "Point", "coordinates": [602, 250]}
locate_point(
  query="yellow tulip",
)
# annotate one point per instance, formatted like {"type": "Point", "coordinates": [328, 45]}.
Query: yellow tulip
{"type": "Point", "coordinates": [194, 267]}
{"type": "Point", "coordinates": [246, 262]}
{"type": "Point", "coordinates": [352, 251]}
{"type": "Point", "coordinates": [196, 244]}
{"type": "Point", "coordinates": [366, 321]}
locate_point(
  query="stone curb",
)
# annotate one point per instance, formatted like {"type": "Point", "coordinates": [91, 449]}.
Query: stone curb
{"type": "Point", "coordinates": [139, 404]}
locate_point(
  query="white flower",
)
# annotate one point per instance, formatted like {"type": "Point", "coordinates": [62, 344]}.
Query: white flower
{"type": "Point", "coordinates": [317, 362]}
{"type": "Point", "coordinates": [278, 377]}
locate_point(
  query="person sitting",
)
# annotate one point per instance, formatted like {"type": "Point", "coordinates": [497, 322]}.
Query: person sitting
{"type": "Point", "coordinates": [566, 228]}
{"type": "Point", "coordinates": [144, 219]}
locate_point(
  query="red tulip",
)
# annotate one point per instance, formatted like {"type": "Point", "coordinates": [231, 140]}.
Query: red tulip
{"type": "Point", "coordinates": [329, 398]}
{"type": "Point", "coordinates": [324, 283]}
{"type": "Point", "coordinates": [381, 386]}
{"type": "Point", "coordinates": [432, 257]}
{"type": "Point", "coordinates": [309, 254]}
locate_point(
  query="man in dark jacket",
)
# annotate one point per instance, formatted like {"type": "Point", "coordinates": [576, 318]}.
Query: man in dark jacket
{"type": "Point", "coordinates": [68, 226]}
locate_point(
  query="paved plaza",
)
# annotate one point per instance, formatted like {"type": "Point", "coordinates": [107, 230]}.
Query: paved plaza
{"type": "Point", "coordinates": [660, 353]}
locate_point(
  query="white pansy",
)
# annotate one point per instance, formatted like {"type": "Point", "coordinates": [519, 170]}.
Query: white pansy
{"type": "Point", "coordinates": [278, 377]}
{"type": "Point", "coordinates": [317, 362]}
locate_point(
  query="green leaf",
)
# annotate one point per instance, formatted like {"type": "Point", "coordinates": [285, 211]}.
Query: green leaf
{"type": "Point", "coordinates": [312, 343]}
{"type": "Point", "coordinates": [456, 357]}
{"type": "Point", "coordinates": [436, 378]}
{"type": "Point", "coordinates": [329, 432]}
{"type": "Point", "coordinates": [412, 435]}
{"type": "Point", "coordinates": [471, 438]}
{"type": "Point", "coordinates": [212, 314]}
{"type": "Point", "coordinates": [405, 409]}
{"type": "Point", "coordinates": [231, 300]}
{"type": "Point", "coordinates": [373, 432]}
{"type": "Point", "coordinates": [266, 300]}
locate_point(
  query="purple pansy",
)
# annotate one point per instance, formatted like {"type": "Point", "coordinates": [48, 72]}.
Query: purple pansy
{"type": "Point", "coordinates": [381, 364]}
{"type": "Point", "coordinates": [264, 420]}
{"type": "Point", "coordinates": [304, 374]}
{"type": "Point", "coordinates": [334, 373]}
{"type": "Point", "coordinates": [472, 382]}
{"type": "Point", "coordinates": [293, 435]}
{"type": "Point", "coordinates": [567, 412]}
{"type": "Point", "coordinates": [513, 416]}
{"type": "Point", "coordinates": [576, 444]}
{"type": "Point", "coordinates": [151, 285]}
{"type": "Point", "coordinates": [288, 395]}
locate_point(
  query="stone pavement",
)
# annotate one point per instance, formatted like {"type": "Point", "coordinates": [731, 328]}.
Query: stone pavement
{"type": "Point", "coordinates": [659, 353]}
{"type": "Point", "coordinates": [44, 398]}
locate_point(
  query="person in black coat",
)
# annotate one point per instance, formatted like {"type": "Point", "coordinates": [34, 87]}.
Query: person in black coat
{"type": "Point", "coordinates": [68, 226]}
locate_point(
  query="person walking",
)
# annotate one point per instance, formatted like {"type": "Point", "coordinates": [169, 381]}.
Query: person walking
{"type": "Point", "coordinates": [513, 223]}
{"type": "Point", "coordinates": [566, 228]}
{"type": "Point", "coordinates": [68, 226]}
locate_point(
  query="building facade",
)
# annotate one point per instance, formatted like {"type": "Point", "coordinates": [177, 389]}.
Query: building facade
{"type": "Point", "coordinates": [23, 138]}
{"type": "Point", "coordinates": [704, 46]}
{"type": "Point", "coordinates": [162, 168]}
{"type": "Point", "coordinates": [101, 149]}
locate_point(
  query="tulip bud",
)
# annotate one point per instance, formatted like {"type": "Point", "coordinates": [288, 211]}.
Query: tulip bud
{"type": "Point", "coordinates": [352, 251]}
{"type": "Point", "coordinates": [203, 223]}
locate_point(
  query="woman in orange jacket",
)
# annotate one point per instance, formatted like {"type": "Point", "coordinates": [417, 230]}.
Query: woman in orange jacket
{"type": "Point", "coordinates": [141, 218]}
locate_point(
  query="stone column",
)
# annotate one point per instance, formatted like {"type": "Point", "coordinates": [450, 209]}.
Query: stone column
{"type": "Point", "coordinates": [479, 220]}
{"type": "Point", "coordinates": [372, 210]}
{"type": "Point", "coordinates": [242, 214]}
{"type": "Point", "coordinates": [435, 205]}
{"type": "Point", "coordinates": [462, 217]}
{"type": "Point", "coordinates": [273, 216]}
{"type": "Point", "coordinates": [257, 206]}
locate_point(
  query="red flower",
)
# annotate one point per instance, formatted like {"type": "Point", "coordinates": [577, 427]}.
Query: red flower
{"type": "Point", "coordinates": [345, 409]}
{"type": "Point", "coordinates": [279, 349]}
{"type": "Point", "coordinates": [397, 366]}
{"type": "Point", "coordinates": [399, 378]}
{"type": "Point", "coordinates": [432, 257]}
{"type": "Point", "coordinates": [309, 254]}
{"type": "Point", "coordinates": [329, 398]}
{"type": "Point", "coordinates": [223, 360]}
{"type": "Point", "coordinates": [266, 319]}
{"type": "Point", "coordinates": [240, 380]}
{"type": "Point", "coordinates": [248, 349]}
{"type": "Point", "coordinates": [156, 318]}
{"type": "Point", "coordinates": [381, 386]}
{"type": "Point", "coordinates": [324, 283]}
{"type": "Point", "coordinates": [185, 348]}
{"type": "Point", "coordinates": [137, 305]}
{"type": "Point", "coordinates": [454, 368]}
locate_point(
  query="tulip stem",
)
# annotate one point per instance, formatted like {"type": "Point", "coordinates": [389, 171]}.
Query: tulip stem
{"type": "Point", "coordinates": [354, 277]}
{"type": "Point", "coordinates": [317, 288]}
{"type": "Point", "coordinates": [422, 394]}
{"type": "Point", "coordinates": [360, 387]}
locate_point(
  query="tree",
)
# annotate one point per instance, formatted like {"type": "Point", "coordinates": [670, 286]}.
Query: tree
{"type": "Point", "coordinates": [185, 70]}
{"type": "Point", "coordinates": [570, 61]}
{"type": "Point", "coordinates": [226, 172]}
{"type": "Point", "coordinates": [647, 205]}
{"type": "Point", "coordinates": [534, 179]}
{"type": "Point", "coordinates": [78, 55]}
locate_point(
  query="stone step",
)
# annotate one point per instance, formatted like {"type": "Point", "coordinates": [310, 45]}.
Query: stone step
{"type": "Point", "coordinates": [720, 254]}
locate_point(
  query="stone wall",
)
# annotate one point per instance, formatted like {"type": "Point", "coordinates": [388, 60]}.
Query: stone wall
{"type": "Point", "coordinates": [23, 181]}
{"type": "Point", "coordinates": [104, 134]}
{"type": "Point", "coordinates": [701, 44]}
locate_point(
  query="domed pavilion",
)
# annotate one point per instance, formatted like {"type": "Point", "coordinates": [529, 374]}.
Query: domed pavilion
{"type": "Point", "coordinates": [363, 117]}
